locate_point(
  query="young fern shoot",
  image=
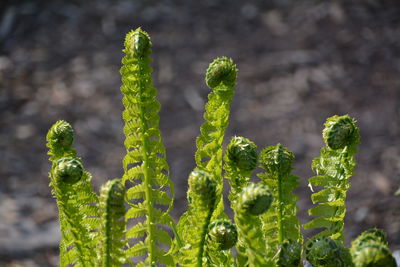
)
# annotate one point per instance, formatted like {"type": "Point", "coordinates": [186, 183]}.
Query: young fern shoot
{"type": "Point", "coordinates": [75, 198]}
{"type": "Point", "coordinates": [145, 163]}
{"type": "Point", "coordinates": [221, 78]}
{"type": "Point", "coordinates": [333, 167]}
{"type": "Point", "coordinates": [280, 223]}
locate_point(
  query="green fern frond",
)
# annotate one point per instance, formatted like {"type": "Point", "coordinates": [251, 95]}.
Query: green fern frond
{"type": "Point", "coordinates": [76, 201]}
{"type": "Point", "coordinates": [253, 201]}
{"type": "Point", "coordinates": [334, 168]}
{"type": "Point", "coordinates": [193, 226]}
{"type": "Point", "coordinates": [280, 222]}
{"type": "Point", "coordinates": [112, 229]}
{"type": "Point", "coordinates": [221, 78]}
{"type": "Point", "coordinates": [145, 163]}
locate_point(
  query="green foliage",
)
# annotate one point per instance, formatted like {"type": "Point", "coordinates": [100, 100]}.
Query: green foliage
{"type": "Point", "coordinates": [334, 168]}
{"type": "Point", "coordinates": [145, 163]}
{"type": "Point", "coordinates": [280, 223]}
{"type": "Point", "coordinates": [99, 231]}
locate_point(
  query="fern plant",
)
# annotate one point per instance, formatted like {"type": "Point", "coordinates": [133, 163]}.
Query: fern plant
{"type": "Point", "coordinates": [129, 222]}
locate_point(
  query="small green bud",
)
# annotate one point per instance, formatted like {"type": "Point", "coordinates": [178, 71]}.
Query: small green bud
{"type": "Point", "coordinates": [221, 70]}
{"type": "Point", "coordinates": [373, 254]}
{"type": "Point", "coordinates": [202, 185]}
{"type": "Point", "coordinates": [277, 159]}
{"type": "Point", "coordinates": [340, 131]}
{"type": "Point", "coordinates": [255, 199]}
{"type": "Point", "coordinates": [223, 234]}
{"type": "Point", "coordinates": [60, 135]}
{"type": "Point", "coordinates": [324, 251]}
{"type": "Point", "coordinates": [137, 43]}
{"type": "Point", "coordinates": [112, 194]}
{"type": "Point", "coordinates": [242, 153]}
{"type": "Point", "coordinates": [376, 235]}
{"type": "Point", "coordinates": [68, 170]}
{"type": "Point", "coordinates": [289, 254]}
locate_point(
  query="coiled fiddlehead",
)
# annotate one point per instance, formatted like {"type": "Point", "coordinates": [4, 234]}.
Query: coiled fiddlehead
{"type": "Point", "coordinates": [112, 228]}
{"type": "Point", "coordinates": [193, 225]}
{"type": "Point", "coordinates": [280, 222]}
{"type": "Point", "coordinates": [221, 78]}
{"type": "Point", "coordinates": [254, 200]}
{"type": "Point", "coordinates": [289, 254]}
{"type": "Point", "coordinates": [326, 252]}
{"type": "Point", "coordinates": [75, 198]}
{"type": "Point", "coordinates": [370, 249]}
{"type": "Point", "coordinates": [333, 167]}
{"type": "Point", "coordinates": [145, 164]}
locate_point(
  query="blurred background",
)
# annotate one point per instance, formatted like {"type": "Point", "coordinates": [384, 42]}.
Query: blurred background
{"type": "Point", "coordinates": [299, 62]}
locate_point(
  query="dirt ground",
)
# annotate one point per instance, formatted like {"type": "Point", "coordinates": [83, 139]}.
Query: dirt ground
{"type": "Point", "coordinates": [299, 62]}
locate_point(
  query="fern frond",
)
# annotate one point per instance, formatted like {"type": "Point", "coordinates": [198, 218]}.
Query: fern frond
{"type": "Point", "coordinates": [76, 201]}
{"type": "Point", "coordinates": [221, 78]}
{"type": "Point", "coordinates": [280, 222]}
{"type": "Point", "coordinates": [253, 201]}
{"type": "Point", "coordinates": [193, 226]}
{"type": "Point", "coordinates": [333, 167]}
{"type": "Point", "coordinates": [145, 163]}
{"type": "Point", "coordinates": [112, 229]}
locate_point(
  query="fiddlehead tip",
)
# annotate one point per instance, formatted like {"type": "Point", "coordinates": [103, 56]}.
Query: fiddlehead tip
{"type": "Point", "coordinates": [289, 254]}
{"type": "Point", "coordinates": [223, 234]}
{"type": "Point", "coordinates": [340, 131]}
{"type": "Point", "coordinates": [255, 199]}
{"type": "Point", "coordinates": [68, 170]}
{"type": "Point", "coordinates": [201, 184]}
{"type": "Point", "coordinates": [137, 43]}
{"type": "Point", "coordinates": [60, 135]}
{"type": "Point", "coordinates": [324, 251]}
{"type": "Point", "coordinates": [221, 70]}
{"type": "Point", "coordinates": [242, 153]}
{"type": "Point", "coordinates": [375, 234]}
{"type": "Point", "coordinates": [373, 254]}
{"type": "Point", "coordinates": [277, 159]}
{"type": "Point", "coordinates": [113, 193]}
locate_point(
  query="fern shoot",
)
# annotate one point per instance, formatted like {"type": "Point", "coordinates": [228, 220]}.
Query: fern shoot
{"type": "Point", "coordinates": [280, 222]}
{"type": "Point", "coordinates": [253, 201]}
{"type": "Point", "coordinates": [145, 164]}
{"type": "Point", "coordinates": [193, 225]}
{"type": "Point", "coordinates": [333, 167]}
{"type": "Point", "coordinates": [112, 229]}
{"type": "Point", "coordinates": [221, 78]}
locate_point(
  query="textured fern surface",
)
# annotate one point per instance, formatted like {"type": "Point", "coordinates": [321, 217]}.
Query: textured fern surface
{"type": "Point", "coordinates": [280, 222]}
{"type": "Point", "coordinates": [333, 167]}
{"type": "Point", "coordinates": [253, 201]}
{"type": "Point", "coordinates": [75, 198]}
{"type": "Point", "coordinates": [151, 196]}
{"type": "Point", "coordinates": [221, 78]}
{"type": "Point", "coordinates": [112, 229]}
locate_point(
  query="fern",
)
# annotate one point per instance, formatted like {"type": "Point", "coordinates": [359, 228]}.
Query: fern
{"type": "Point", "coordinates": [334, 168]}
{"type": "Point", "coordinates": [280, 223]}
{"type": "Point", "coordinates": [253, 201]}
{"type": "Point", "coordinates": [221, 78]}
{"type": "Point", "coordinates": [112, 230]}
{"type": "Point", "coordinates": [75, 198]}
{"type": "Point", "coordinates": [145, 163]}
{"type": "Point", "coordinates": [193, 225]}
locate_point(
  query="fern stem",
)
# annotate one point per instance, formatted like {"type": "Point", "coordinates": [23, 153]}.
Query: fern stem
{"type": "Point", "coordinates": [203, 238]}
{"type": "Point", "coordinates": [280, 207]}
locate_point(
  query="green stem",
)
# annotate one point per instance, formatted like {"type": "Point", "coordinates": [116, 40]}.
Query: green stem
{"type": "Point", "coordinates": [203, 238]}
{"type": "Point", "coordinates": [280, 207]}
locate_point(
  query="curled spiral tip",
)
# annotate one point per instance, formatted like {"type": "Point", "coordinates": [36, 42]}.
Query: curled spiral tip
{"type": "Point", "coordinates": [289, 254]}
{"type": "Point", "coordinates": [242, 153]}
{"type": "Point", "coordinates": [223, 234]}
{"type": "Point", "coordinates": [255, 199]}
{"type": "Point", "coordinates": [68, 170]}
{"type": "Point", "coordinates": [373, 254]}
{"type": "Point", "coordinates": [137, 43]}
{"type": "Point", "coordinates": [277, 159]}
{"type": "Point", "coordinates": [113, 193]}
{"type": "Point", "coordinates": [376, 235]}
{"type": "Point", "coordinates": [61, 134]}
{"type": "Point", "coordinates": [340, 131]}
{"type": "Point", "coordinates": [221, 70]}
{"type": "Point", "coordinates": [202, 184]}
{"type": "Point", "coordinates": [324, 251]}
